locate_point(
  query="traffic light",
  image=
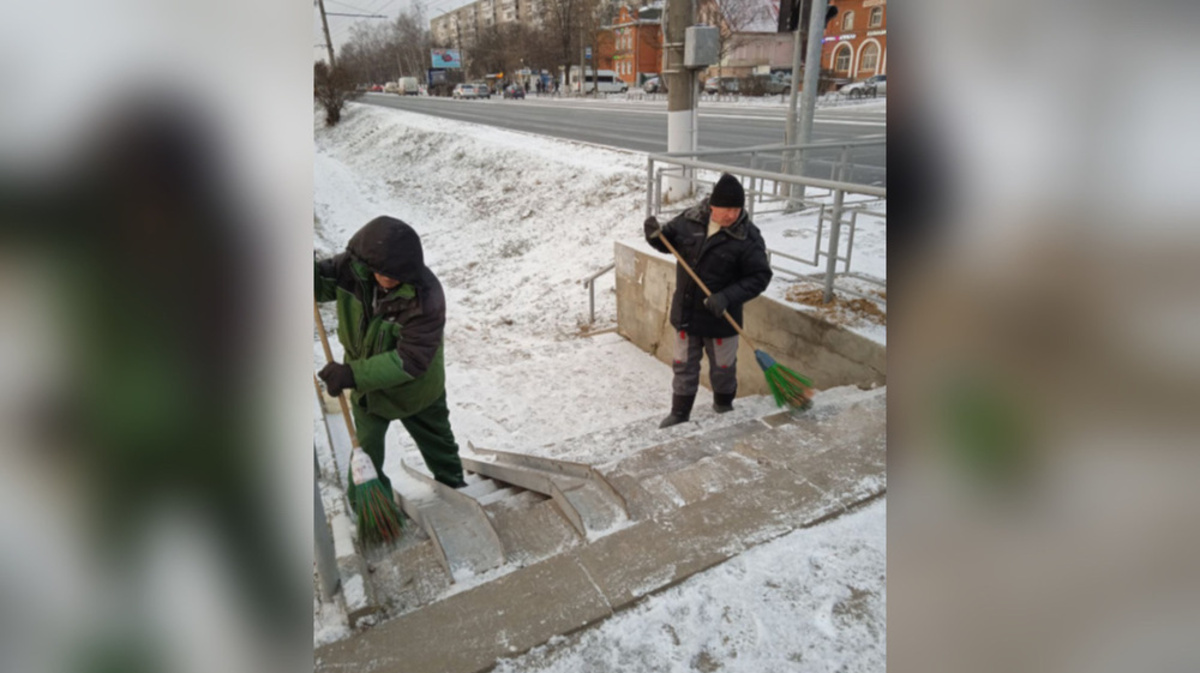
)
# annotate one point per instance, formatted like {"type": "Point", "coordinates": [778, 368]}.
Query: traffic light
{"type": "Point", "coordinates": [794, 12]}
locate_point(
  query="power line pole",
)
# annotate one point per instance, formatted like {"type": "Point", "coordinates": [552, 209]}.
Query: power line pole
{"type": "Point", "coordinates": [325, 26]}
{"type": "Point", "coordinates": [681, 103]}
{"type": "Point", "coordinates": [812, 73]}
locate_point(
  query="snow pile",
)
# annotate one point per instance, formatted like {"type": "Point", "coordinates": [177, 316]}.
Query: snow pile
{"type": "Point", "coordinates": [813, 600]}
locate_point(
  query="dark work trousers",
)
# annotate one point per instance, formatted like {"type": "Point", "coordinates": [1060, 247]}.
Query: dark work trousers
{"type": "Point", "coordinates": [430, 430]}
{"type": "Point", "coordinates": [722, 363]}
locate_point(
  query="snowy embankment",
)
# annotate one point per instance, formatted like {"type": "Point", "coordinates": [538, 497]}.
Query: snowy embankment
{"type": "Point", "coordinates": [511, 224]}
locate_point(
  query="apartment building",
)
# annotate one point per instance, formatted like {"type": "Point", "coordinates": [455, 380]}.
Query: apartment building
{"type": "Point", "coordinates": [460, 27]}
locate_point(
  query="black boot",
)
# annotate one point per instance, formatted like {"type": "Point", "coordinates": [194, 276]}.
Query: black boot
{"type": "Point", "coordinates": [723, 402]}
{"type": "Point", "coordinates": [681, 410]}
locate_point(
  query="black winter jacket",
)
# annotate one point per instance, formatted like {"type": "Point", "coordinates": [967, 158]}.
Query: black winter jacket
{"type": "Point", "coordinates": [733, 263]}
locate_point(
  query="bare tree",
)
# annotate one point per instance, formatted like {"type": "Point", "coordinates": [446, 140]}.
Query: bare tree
{"type": "Point", "coordinates": [562, 21]}
{"type": "Point", "coordinates": [382, 52]}
{"type": "Point", "coordinates": [733, 18]}
{"type": "Point", "coordinates": [332, 87]}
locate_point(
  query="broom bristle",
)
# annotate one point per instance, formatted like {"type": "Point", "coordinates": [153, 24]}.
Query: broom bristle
{"type": "Point", "coordinates": [378, 517]}
{"type": "Point", "coordinates": [788, 387]}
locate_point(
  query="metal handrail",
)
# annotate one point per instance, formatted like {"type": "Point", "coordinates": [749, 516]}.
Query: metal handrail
{"type": "Point", "coordinates": [684, 164]}
{"type": "Point", "coordinates": [836, 185]}
{"type": "Point", "coordinates": [828, 144]}
{"type": "Point", "coordinates": [590, 284]}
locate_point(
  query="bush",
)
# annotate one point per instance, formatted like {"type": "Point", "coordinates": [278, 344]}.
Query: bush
{"type": "Point", "coordinates": [332, 87]}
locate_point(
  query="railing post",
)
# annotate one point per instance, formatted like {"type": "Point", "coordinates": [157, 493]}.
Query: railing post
{"type": "Point", "coordinates": [834, 229]}
{"type": "Point", "coordinates": [649, 187]}
{"type": "Point", "coordinates": [592, 301]}
{"type": "Point", "coordinates": [753, 167]}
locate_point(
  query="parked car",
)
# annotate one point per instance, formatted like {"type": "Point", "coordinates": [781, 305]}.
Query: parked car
{"type": "Point", "coordinates": [377, 88]}
{"type": "Point", "coordinates": [463, 91]}
{"type": "Point", "coordinates": [655, 85]}
{"type": "Point", "coordinates": [482, 90]}
{"type": "Point", "coordinates": [716, 85]}
{"type": "Point", "coordinates": [514, 91]}
{"type": "Point", "coordinates": [778, 83]}
{"type": "Point", "coordinates": [871, 86]}
{"type": "Point", "coordinates": [391, 87]}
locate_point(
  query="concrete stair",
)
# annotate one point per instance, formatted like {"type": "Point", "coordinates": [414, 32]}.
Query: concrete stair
{"type": "Point", "coordinates": [643, 522]}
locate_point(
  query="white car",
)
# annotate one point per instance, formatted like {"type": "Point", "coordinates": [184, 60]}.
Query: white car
{"type": "Point", "coordinates": [466, 91]}
{"type": "Point", "coordinates": [871, 86]}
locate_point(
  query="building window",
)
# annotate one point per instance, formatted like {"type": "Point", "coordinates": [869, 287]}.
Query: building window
{"type": "Point", "coordinates": [869, 59]}
{"type": "Point", "coordinates": [876, 18]}
{"type": "Point", "coordinates": [842, 59]}
{"type": "Point", "coordinates": [848, 21]}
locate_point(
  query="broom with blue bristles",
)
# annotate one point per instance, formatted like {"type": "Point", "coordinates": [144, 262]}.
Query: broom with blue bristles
{"type": "Point", "coordinates": [787, 386]}
{"type": "Point", "coordinates": [379, 520]}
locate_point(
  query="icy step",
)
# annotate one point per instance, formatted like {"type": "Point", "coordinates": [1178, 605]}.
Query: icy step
{"type": "Point", "coordinates": [585, 499]}
{"type": "Point", "coordinates": [627, 440]}
{"type": "Point", "coordinates": [479, 489]}
{"type": "Point", "coordinates": [498, 494]}
{"type": "Point", "coordinates": [462, 533]}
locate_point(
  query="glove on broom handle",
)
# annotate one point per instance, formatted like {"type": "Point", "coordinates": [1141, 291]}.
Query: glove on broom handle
{"type": "Point", "coordinates": [329, 358]}
{"type": "Point", "coordinates": [707, 292]}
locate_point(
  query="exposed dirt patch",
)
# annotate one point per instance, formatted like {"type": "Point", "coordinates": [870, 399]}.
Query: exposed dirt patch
{"type": "Point", "coordinates": [840, 311]}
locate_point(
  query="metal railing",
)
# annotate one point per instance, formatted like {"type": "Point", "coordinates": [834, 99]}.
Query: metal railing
{"type": "Point", "coordinates": [787, 193]}
{"type": "Point", "coordinates": [590, 284]}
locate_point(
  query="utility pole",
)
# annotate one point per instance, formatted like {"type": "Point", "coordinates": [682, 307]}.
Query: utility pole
{"type": "Point", "coordinates": [325, 26]}
{"type": "Point", "coordinates": [681, 92]}
{"type": "Point", "coordinates": [812, 74]}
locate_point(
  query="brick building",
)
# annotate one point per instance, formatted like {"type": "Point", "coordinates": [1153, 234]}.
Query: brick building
{"type": "Point", "coordinates": [855, 44]}
{"type": "Point", "coordinates": [636, 43]}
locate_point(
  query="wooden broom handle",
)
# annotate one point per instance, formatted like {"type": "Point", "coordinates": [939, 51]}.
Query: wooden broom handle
{"type": "Point", "coordinates": [329, 358]}
{"type": "Point", "coordinates": [707, 292]}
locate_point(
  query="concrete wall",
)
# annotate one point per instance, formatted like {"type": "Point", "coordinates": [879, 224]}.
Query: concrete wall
{"type": "Point", "coordinates": [828, 354]}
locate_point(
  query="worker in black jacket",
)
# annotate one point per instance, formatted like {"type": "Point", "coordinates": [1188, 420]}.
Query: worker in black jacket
{"type": "Point", "coordinates": [724, 248]}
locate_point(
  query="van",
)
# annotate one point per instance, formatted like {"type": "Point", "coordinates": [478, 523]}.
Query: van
{"type": "Point", "coordinates": [409, 86]}
{"type": "Point", "coordinates": [604, 81]}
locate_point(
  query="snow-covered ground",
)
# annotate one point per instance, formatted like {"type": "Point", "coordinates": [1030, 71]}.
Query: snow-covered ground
{"type": "Point", "coordinates": [511, 224]}
{"type": "Point", "coordinates": [812, 600]}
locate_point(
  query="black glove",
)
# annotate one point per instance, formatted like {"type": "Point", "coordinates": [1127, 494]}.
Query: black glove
{"type": "Point", "coordinates": [337, 377]}
{"type": "Point", "coordinates": [717, 303]}
{"type": "Point", "coordinates": [652, 228]}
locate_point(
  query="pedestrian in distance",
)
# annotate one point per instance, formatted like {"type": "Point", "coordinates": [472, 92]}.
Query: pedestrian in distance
{"type": "Point", "coordinates": [726, 250]}
{"type": "Point", "coordinates": [391, 318]}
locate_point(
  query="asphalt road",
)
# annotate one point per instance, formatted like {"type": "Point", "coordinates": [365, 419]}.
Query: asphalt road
{"type": "Point", "coordinates": [642, 126]}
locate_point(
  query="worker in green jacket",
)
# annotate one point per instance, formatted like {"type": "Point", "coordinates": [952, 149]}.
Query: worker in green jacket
{"type": "Point", "coordinates": [391, 317]}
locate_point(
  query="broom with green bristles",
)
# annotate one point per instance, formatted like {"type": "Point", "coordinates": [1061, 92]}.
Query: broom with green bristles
{"type": "Point", "coordinates": [379, 520]}
{"type": "Point", "coordinates": [787, 386]}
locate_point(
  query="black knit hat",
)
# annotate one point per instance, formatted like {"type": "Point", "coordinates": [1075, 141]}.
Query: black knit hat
{"type": "Point", "coordinates": [728, 193]}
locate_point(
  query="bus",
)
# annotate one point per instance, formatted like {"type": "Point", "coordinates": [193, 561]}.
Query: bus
{"type": "Point", "coordinates": [605, 82]}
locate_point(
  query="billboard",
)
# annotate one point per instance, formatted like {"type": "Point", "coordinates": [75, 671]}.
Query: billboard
{"type": "Point", "coordinates": [445, 58]}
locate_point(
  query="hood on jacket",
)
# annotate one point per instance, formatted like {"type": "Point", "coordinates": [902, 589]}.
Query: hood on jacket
{"type": "Point", "coordinates": [389, 247]}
